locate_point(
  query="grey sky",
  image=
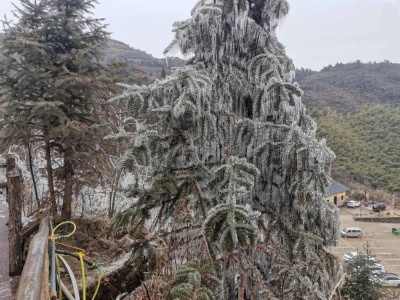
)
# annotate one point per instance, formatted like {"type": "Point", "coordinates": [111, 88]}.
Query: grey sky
{"type": "Point", "coordinates": [316, 33]}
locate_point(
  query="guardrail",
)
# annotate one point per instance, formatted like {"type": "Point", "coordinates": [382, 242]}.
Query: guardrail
{"type": "Point", "coordinates": [33, 284]}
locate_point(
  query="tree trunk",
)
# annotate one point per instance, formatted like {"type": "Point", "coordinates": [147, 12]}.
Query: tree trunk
{"type": "Point", "coordinates": [50, 179]}
{"type": "Point", "coordinates": [113, 193]}
{"type": "Point", "coordinates": [32, 173]}
{"type": "Point", "coordinates": [66, 212]}
{"type": "Point", "coordinates": [14, 196]}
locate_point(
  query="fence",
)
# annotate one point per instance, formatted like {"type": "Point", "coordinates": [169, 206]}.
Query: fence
{"type": "Point", "coordinates": [33, 284]}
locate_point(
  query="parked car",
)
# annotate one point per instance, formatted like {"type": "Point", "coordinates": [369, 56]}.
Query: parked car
{"type": "Point", "coordinates": [376, 269]}
{"type": "Point", "coordinates": [348, 257]}
{"type": "Point", "coordinates": [377, 207]}
{"type": "Point", "coordinates": [352, 256]}
{"type": "Point", "coordinates": [353, 203]}
{"type": "Point", "coordinates": [351, 232]}
{"type": "Point", "coordinates": [390, 279]}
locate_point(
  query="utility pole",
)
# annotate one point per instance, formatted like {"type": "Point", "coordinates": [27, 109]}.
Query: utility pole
{"type": "Point", "coordinates": [393, 204]}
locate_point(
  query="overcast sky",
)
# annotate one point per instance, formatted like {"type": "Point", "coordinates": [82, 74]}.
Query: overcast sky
{"type": "Point", "coordinates": [316, 33]}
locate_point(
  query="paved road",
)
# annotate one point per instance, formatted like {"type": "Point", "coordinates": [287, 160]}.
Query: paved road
{"type": "Point", "coordinates": [5, 280]}
{"type": "Point", "coordinates": [383, 243]}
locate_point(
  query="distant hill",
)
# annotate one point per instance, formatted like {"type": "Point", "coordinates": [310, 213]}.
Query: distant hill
{"type": "Point", "coordinates": [119, 52]}
{"type": "Point", "coordinates": [134, 65]}
{"type": "Point", "coordinates": [357, 108]}
{"type": "Point", "coordinates": [344, 87]}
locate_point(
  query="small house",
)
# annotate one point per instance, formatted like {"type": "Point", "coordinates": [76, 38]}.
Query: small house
{"type": "Point", "coordinates": [336, 193]}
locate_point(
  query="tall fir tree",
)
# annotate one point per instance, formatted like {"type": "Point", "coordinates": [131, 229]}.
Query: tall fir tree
{"type": "Point", "coordinates": [229, 147]}
{"type": "Point", "coordinates": [22, 80]}
{"type": "Point", "coordinates": [50, 80]}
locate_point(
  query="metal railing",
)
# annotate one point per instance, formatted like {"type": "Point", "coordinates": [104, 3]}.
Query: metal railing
{"type": "Point", "coordinates": [33, 284]}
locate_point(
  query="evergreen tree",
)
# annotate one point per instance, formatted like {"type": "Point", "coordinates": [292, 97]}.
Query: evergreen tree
{"type": "Point", "coordinates": [361, 283]}
{"type": "Point", "coordinates": [50, 81]}
{"type": "Point", "coordinates": [229, 146]}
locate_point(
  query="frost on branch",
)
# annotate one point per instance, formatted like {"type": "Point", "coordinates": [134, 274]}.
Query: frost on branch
{"type": "Point", "coordinates": [232, 149]}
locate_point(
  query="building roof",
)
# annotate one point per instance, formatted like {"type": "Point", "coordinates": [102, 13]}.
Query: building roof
{"type": "Point", "coordinates": [336, 188]}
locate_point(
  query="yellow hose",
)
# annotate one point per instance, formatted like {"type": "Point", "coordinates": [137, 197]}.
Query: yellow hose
{"type": "Point", "coordinates": [80, 254]}
{"type": "Point", "coordinates": [63, 236]}
{"type": "Point", "coordinates": [98, 283]}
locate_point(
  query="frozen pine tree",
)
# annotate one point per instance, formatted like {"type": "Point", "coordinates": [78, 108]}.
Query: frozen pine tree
{"type": "Point", "coordinates": [228, 148]}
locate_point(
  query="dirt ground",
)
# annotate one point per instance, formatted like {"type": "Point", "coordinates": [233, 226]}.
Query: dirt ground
{"type": "Point", "coordinates": [100, 247]}
{"type": "Point", "coordinates": [384, 244]}
{"type": "Point", "coordinates": [94, 237]}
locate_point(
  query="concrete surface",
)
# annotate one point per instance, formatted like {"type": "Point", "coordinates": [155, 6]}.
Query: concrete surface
{"type": "Point", "coordinates": [384, 244]}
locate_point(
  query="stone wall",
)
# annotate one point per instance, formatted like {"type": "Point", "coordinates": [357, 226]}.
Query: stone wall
{"type": "Point", "coordinates": [378, 219]}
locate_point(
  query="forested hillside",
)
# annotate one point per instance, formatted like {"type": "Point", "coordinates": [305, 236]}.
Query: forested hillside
{"type": "Point", "coordinates": [357, 107]}
{"type": "Point", "coordinates": [344, 87]}
{"type": "Point", "coordinates": [366, 144]}
{"type": "Point", "coordinates": [139, 62]}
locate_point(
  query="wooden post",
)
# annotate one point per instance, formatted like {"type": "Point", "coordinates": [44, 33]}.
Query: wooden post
{"type": "Point", "coordinates": [3, 185]}
{"type": "Point", "coordinates": [14, 199]}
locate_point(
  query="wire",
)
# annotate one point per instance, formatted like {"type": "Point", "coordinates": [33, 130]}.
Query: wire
{"type": "Point", "coordinates": [53, 237]}
{"type": "Point", "coordinates": [59, 277]}
{"type": "Point", "coordinates": [122, 296]}
{"type": "Point", "coordinates": [79, 255]}
{"type": "Point", "coordinates": [71, 275]}
{"type": "Point", "coordinates": [66, 292]}
{"type": "Point", "coordinates": [91, 265]}
{"type": "Point", "coordinates": [75, 254]}
{"type": "Point", "coordinates": [71, 247]}
{"type": "Point", "coordinates": [98, 283]}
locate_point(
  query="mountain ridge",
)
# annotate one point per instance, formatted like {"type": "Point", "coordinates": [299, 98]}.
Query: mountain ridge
{"type": "Point", "coordinates": [142, 66]}
{"type": "Point", "coordinates": [345, 87]}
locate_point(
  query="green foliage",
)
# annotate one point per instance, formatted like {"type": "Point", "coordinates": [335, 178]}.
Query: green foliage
{"type": "Point", "coordinates": [51, 82]}
{"type": "Point", "coordinates": [360, 283]}
{"type": "Point", "coordinates": [366, 144]}
{"type": "Point", "coordinates": [195, 281]}
{"type": "Point", "coordinates": [231, 226]}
